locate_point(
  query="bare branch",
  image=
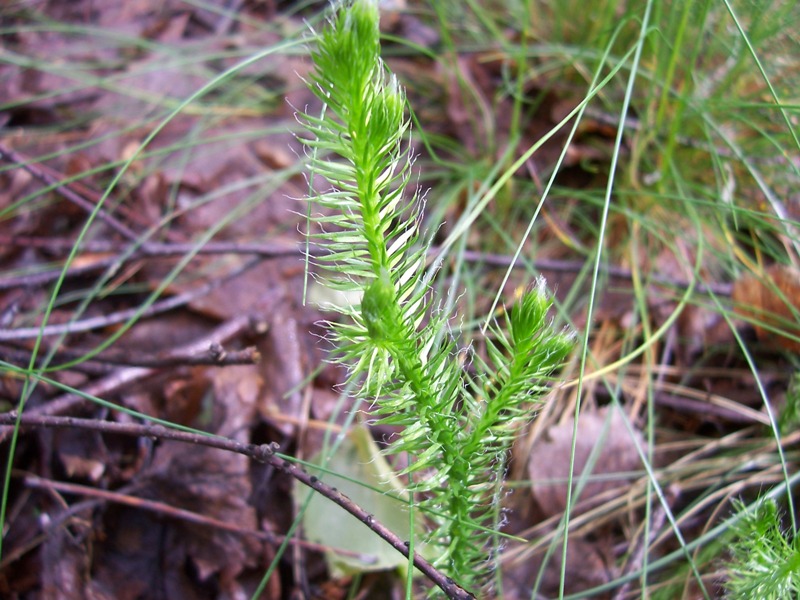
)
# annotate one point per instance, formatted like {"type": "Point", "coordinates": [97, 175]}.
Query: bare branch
{"type": "Point", "coordinates": [124, 315]}
{"type": "Point", "coordinates": [35, 482]}
{"type": "Point", "coordinates": [122, 377]}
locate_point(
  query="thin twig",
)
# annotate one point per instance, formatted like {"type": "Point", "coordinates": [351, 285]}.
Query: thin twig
{"type": "Point", "coordinates": [279, 250]}
{"type": "Point", "coordinates": [636, 556]}
{"type": "Point", "coordinates": [35, 482]}
{"type": "Point", "coordinates": [264, 453]}
{"type": "Point", "coordinates": [214, 355]}
{"type": "Point", "coordinates": [148, 248]}
{"type": "Point", "coordinates": [145, 250]}
{"type": "Point", "coordinates": [123, 377]}
{"type": "Point", "coordinates": [44, 277]}
{"type": "Point", "coordinates": [123, 315]}
{"type": "Point", "coordinates": [51, 179]}
{"type": "Point", "coordinates": [573, 266]}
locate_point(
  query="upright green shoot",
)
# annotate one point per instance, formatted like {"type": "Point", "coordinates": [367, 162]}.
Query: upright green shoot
{"type": "Point", "coordinates": [456, 424]}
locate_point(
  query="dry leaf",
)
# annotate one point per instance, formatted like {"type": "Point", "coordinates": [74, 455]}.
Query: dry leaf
{"type": "Point", "coordinates": [616, 453]}
{"type": "Point", "coordinates": [771, 300]}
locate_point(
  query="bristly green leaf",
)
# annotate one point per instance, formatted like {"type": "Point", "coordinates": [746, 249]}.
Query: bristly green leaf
{"type": "Point", "coordinates": [456, 429]}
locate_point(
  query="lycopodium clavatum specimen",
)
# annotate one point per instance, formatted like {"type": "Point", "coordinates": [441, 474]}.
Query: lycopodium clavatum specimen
{"type": "Point", "coordinates": [456, 424]}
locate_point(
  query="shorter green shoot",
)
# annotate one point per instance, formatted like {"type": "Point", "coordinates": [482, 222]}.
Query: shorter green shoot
{"type": "Point", "coordinates": [765, 561]}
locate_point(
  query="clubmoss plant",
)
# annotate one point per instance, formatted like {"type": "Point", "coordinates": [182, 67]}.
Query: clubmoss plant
{"type": "Point", "coordinates": [457, 424]}
{"type": "Point", "coordinates": [765, 562]}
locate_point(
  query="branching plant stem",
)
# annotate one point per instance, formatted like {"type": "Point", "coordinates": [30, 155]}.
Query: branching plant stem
{"type": "Point", "coordinates": [456, 428]}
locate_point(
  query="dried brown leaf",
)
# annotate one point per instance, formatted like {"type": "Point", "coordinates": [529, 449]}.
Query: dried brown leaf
{"type": "Point", "coordinates": [616, 454]}
{"type": "Point", "coordinates": [771, 300]}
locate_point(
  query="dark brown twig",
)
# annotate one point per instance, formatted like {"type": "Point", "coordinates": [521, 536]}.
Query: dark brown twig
{"type": "Point", "coordinates": [147, 248]}
{"type": "Point", "coordinates": [44, 277]}
{"type": "Point", "coordinates": [264, 453]}
{"type": "Point", "coordinates": [53, 180]}
{"type": "Point", "coordinates": [573, 266]}
{"type": "Point", "coordinates": [278, 250]}
{"type": "Point", "coordinates": [214, 355]}
{"type": "Point", "coordinates": [157, 307]}
{"type": "Point", "coordinates": [122, 377]}
{"type": "Point", "coordinates": [32, 481]}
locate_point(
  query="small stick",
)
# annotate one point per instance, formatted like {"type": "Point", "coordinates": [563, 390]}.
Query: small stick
{"type": "Point", "coordinates": [122, 377]}
{"type": "Point", "coordinates": [145, 250]}
{"type": "Point", "coordinates": [120, 317]}
{"type": "Point", "coordinates": [148, 248]}
{"type": "Point", "coordinates": [214, 355]}
{"type": "Point", "coordinates": [33, 481]}
{"type": "Point", "coordinates": [51, 179]}
{"type": "Point", "coordinates": [278, 250]}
